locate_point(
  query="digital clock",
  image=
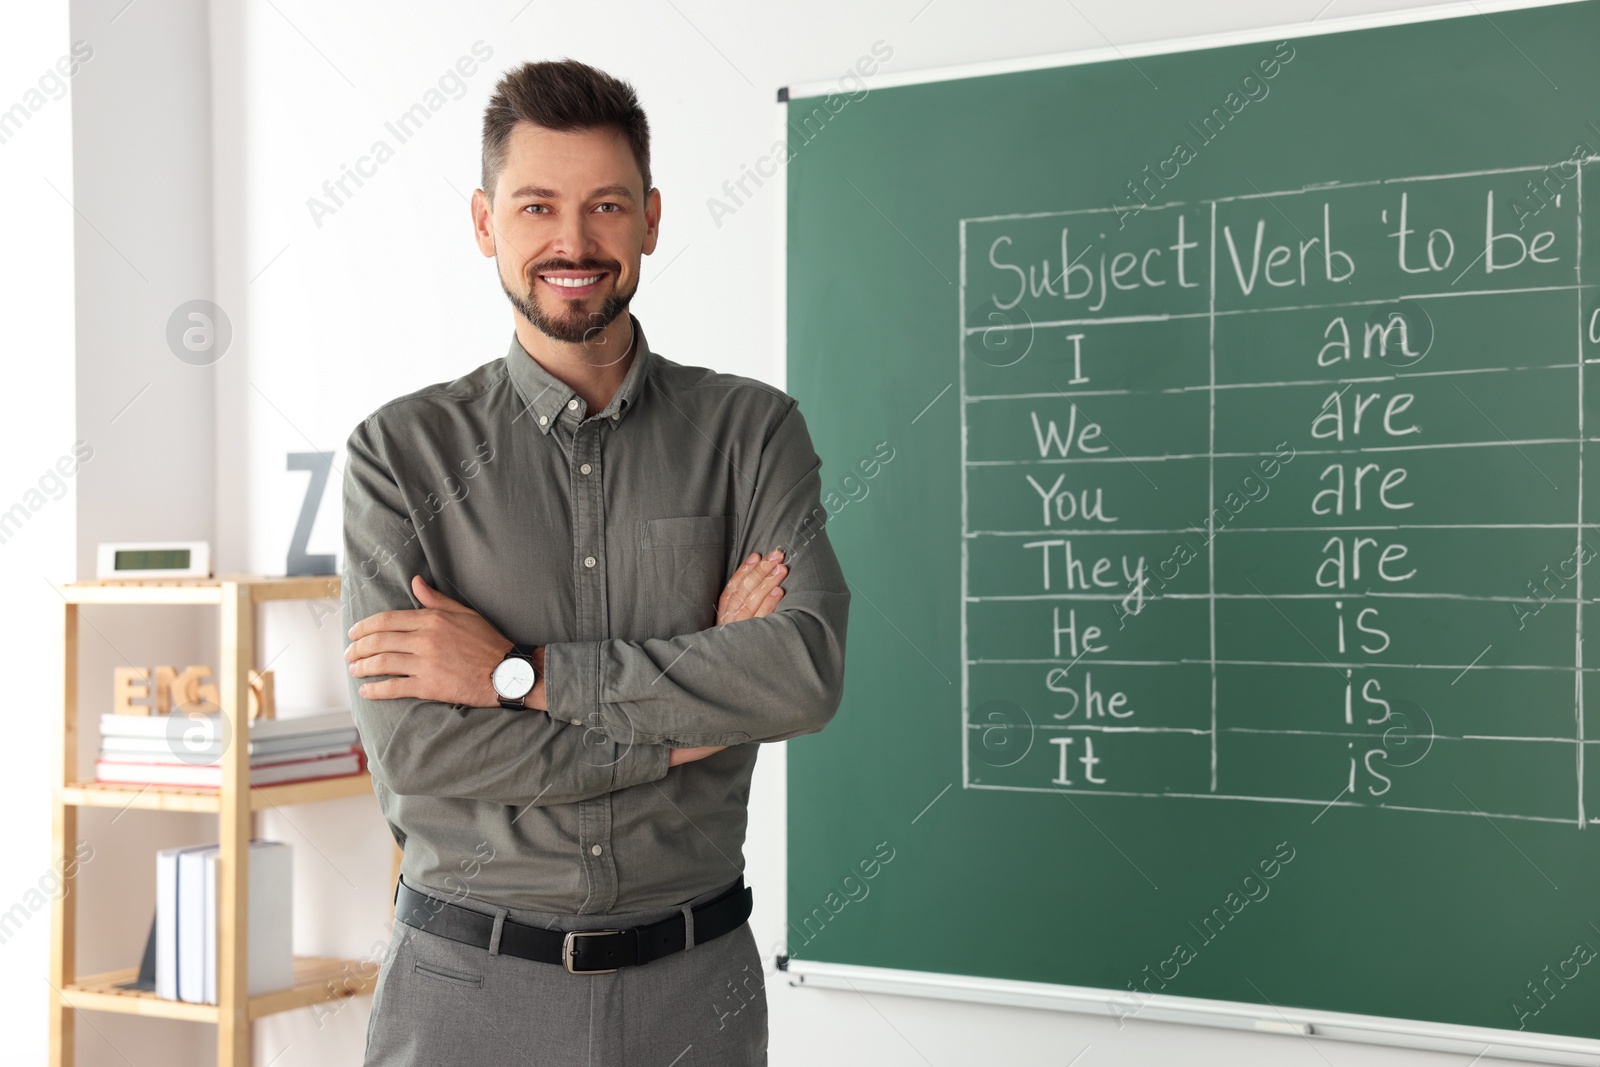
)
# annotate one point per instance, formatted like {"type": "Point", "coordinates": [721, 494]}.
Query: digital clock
{"type": "Point", "coordinates": [153, 559]}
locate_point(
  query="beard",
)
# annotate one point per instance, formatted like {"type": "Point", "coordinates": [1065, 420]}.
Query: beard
{"type": "Point", "coordinates": [567, 321]}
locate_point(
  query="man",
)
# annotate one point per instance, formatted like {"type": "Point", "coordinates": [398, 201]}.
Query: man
{"type": "Point", "coordinates": [568, 635]}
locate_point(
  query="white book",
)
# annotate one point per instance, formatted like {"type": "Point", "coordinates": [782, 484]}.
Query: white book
{"type": "Point", "coordinates": [209, 921]}
{"type": "Point", "coordinates": [181, 750]}
{"type": "Point", "coordinates": [191, 924]}
{"type": "Point", "coordinates": [271, 907]}
{"type": "Point", "coordinates": [114, 725]}
{"type": "Point", "coordinates": [167, 920]}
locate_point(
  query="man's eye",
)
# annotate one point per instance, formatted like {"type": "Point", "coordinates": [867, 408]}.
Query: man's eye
{"type": "Point", "coordinates": [534, 205]}
{"type": "Point", "coordinates": [617, 206]}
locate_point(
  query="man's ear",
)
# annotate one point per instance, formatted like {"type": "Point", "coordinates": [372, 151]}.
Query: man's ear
{"type": "Point", "coordinates": [652, 221]}
{"type": "Point", "coordinates": [483, 222]}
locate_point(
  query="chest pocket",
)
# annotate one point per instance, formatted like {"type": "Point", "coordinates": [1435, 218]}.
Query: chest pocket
{"type": "Point", "coordinates": [685, 559]}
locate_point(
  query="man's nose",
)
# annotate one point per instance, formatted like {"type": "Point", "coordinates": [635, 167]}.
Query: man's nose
{"type": "Point", "coordinates": [574, 239]}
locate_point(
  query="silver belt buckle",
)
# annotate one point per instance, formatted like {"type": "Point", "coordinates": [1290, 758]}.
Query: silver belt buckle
{"type": "Point", "coordinates": [566, 950]}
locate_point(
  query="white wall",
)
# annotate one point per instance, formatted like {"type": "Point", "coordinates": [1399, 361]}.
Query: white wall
{"type": "Point", "coordinates": [332, 317]}
{"type": "Point", "coordinates": [36, 333]}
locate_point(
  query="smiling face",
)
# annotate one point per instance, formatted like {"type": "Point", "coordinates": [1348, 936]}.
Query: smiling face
{"type": "Point", "coordinates": [570, 222]}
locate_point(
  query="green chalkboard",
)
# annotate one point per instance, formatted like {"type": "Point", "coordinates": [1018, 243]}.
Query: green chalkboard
{"type": "Point", "coordinates": [1204, 440]}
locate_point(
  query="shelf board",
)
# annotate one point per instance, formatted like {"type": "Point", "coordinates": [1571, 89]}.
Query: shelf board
{"type": "Point", "coordinates": [90, 794]}
{"type": "Point", "coordinates": [200, 590]}
{"type": "Point", "coordinates": [317, 979]}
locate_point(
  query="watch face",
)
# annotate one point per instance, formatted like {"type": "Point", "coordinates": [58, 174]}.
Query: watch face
{"type": "Point", "coordinates": [513, 678]}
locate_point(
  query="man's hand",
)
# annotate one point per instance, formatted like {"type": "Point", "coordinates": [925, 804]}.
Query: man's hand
{"type": "Point", "coordinates": [677, 756]}
{"type": "Point", "coordinates": [441, 651]}
{"type": "Point", "coordinates": [754, 590]}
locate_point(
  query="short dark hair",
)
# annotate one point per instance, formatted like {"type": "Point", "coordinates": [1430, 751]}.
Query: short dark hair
{"type": "Point", "coordinates": [561, 95]}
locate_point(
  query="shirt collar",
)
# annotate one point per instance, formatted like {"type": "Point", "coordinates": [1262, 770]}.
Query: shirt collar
{"type": "Point", "coordinates": [546, 397]}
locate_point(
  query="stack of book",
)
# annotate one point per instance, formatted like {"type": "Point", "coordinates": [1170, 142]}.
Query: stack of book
{"type": "Point", "coordinates": [187, 750]}
{"type": "Point", "coordinates": [186, 921]}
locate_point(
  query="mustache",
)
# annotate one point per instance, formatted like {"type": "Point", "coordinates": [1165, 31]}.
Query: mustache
{"type": "Point", "coordinates": [564, 264]}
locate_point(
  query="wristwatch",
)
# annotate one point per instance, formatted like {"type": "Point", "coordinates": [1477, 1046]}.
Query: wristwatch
{"type": "Point", "coordinates": [513, 677]}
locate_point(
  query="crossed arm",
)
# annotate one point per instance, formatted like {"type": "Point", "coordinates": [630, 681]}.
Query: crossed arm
{"type": "Point", "coordinates": [778, 673]}
{"type": "Point", "coordinates": [445, 650]}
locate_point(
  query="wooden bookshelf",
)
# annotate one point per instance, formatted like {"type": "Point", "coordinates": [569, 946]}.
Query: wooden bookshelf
{"type": "Point", "coordinates": [147, 591]}
{"type": "Point", "coordinates": [182, 798]}
{"type": "Point", "coordinates": [316, 979]}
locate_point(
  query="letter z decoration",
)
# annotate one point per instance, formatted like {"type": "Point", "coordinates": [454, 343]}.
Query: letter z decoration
{"type": "Point", "coordinates": [318, 463]}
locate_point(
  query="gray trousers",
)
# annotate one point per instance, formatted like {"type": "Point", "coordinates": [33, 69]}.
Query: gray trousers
{"type": "Point", "coordinates": [439, 1003]}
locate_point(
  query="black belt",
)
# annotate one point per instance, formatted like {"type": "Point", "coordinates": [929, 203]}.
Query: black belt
{"type": "Point", "coordinates": [580, 951]}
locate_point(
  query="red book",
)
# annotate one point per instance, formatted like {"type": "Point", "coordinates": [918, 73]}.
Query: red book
{"type": "Point", "coordinates": [209, 775]}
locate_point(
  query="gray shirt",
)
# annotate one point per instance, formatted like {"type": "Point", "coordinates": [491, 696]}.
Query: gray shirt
{"type": "Point", "coordinates": [606, 537]}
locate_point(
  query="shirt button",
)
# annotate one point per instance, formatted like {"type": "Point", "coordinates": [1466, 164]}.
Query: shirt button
{"type": "Point", "coordinates": [594, 850]}
{"type": "Point", "coordinates": [588, 561]}
{"type": "Point", "coordinates": [585, 469]}
{"type": "Point", "coordinates": [544, 420]}
{"type": "Point", "coordinates": [572, 405]}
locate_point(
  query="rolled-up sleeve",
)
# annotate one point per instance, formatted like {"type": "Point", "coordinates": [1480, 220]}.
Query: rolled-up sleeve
{"type": "Point", "coordinates": [432, 748]}
{"type": "Point", "coordinates": [764, 679]}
